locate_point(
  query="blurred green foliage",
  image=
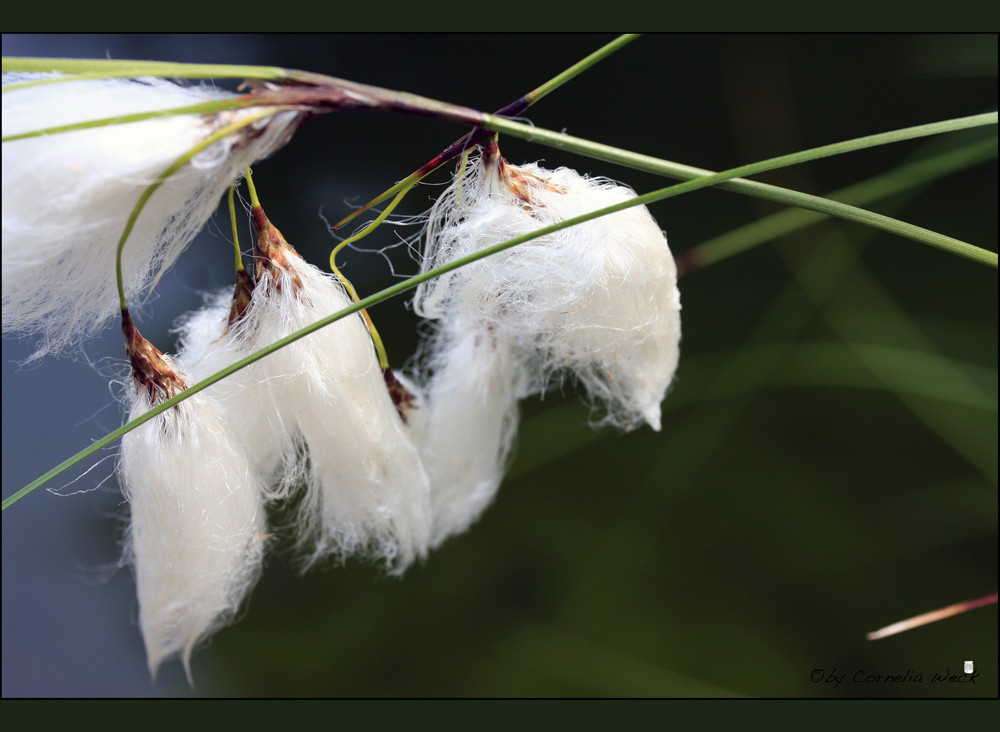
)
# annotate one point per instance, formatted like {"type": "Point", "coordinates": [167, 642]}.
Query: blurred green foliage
{"type": "Point", "coordinates": [828, 460]}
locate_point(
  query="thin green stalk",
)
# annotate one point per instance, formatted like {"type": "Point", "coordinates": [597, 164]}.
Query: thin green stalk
{"type": "Point", "coordinates": [650, 164]}
{"type": "Point", "coordinates": [578, 68]}
{"type": "Point", "coordinates": [106, 68]}
{"type": "Point", "coordinates": [299, 88]}
{"type": "Point", "coordinates": [383, 357]}
{"type": "Point", "coordinates": [202, 108]}
{"type": "Point", "coordinates": [411, 283]}
{"type": "Point", "coordinates": [774, 193]}
{"type": "Point", "coordinates": [236, 233]}
{"type": "Point", "coordinates": [465, 142]}
{"type": "Point", "coordinates": [254, 201]}
{"type": "Point", "coordinates": [903, 178]}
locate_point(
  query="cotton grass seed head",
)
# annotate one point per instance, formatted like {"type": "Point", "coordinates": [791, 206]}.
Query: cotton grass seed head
{"type": "Point", "coordinates": [209, 342]}
{"type": "Point", "coordinates": [197, 531]}
{"type": "Point", "coordinates": [318, 415]}
{"type": "Point", "coordinates": [597, 303]}
{"type": "Point", "coordinates": [67, 196]}
{"type": "Point", "coordinates": [366, 490]}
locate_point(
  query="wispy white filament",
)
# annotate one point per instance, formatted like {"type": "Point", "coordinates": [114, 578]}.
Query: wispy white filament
{"type": "Point", "coordinates": [67, 197]}
{"type": "Point", "coordinates": [597, 303]}
{"type": "Point", "coordinates": [317, 414]}
{"type": "Point", "coordinates": [197, 532]}
{"type": "Point", "coordinates": [469, 423]}
{"type": "Point", "coordinates": [208, 345]}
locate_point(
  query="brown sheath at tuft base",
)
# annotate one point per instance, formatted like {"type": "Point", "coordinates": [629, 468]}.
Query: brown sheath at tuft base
{"type": "Point", "coordinates": [517, 181]}
{"type": "Point", "coordinates": [149, 369]}
{"type": "Point", "coordinates": [241, 296]}
{"type": "Point", "coordinates": [272, 251]}
{"type": "Point", "coordinates": [404, 399]}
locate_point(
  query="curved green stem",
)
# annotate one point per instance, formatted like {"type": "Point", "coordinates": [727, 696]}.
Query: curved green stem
{"type": "Point", "coordinates": [232, 222]}
{"type": "Point", "coordinates": [881, 186]}
{"type": "Point", "coordinates": [402, 188]}
{"type": "Point", "coordinates": [383, 358]}
{"type": "Point", "coordinates": [106, 68]}
{"type": "Point", "coordinates": [254, 201]}
{"type": "Point", "coordinates": [177, 165]}
{"type": "Point", "coordinates": [650, 164]}
{"type": "Point", "coordinates": [576, 69]}
{"type": "Point", "coordinates": [319, 92]}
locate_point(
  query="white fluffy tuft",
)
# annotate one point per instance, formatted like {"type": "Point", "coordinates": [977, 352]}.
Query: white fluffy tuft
{"type": "Point", "coordinates": [317, 413]}
{"type": "Point", "coordinates": [470, 420]}
{"type": "Point", "coordinates": [196, 538]}
{"type": "Point", "coordinates": [597, 302]}
{"type": "Point", "coordinates": [247, 402]}
{"type": "Point", "coordinates": [367, 492]}
{"type": "Point", "coordinates": [67, 197]}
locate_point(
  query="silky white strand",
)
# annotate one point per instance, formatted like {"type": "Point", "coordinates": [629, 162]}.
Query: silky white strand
{"type": "Point", "coordinates": [318, 413]}
{"type": "Point", "coordinates": [207, 345]}
{"type": "Point", "coordinates": [597, 303]}
{"type": "Point", "coordinates": [67, 196]}
{"type": "Point", "coordinates": [367, 492]}
{"type": "Point", "coordinates": [469, 426]}
{"type": "Point", "coordinates": [196, 537]}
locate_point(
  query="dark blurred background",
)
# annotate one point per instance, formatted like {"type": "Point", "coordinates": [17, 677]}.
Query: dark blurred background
{"type": "Point", "coordinates": [828, 460]}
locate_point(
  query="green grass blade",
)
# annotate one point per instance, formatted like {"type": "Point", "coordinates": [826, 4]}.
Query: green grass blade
{"type": "Point", "coordinates": [903, 178]}
{"type": "Point", "coordinates": [413, 282]}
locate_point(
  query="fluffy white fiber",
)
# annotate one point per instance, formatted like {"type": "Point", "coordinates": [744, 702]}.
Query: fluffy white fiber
{"type": "Point", "coordinates": [318, 413]}
{"type": "Point", "coordinates": [596, 302]}
{"type": "Point", "coordinates": [469, 423]}
{"type": "Point", "coordinates": [67, 197]}
{"type": "Point", "coordinates": [208, 345]}
{"type": "Point", "coordinates": [196, 539]}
